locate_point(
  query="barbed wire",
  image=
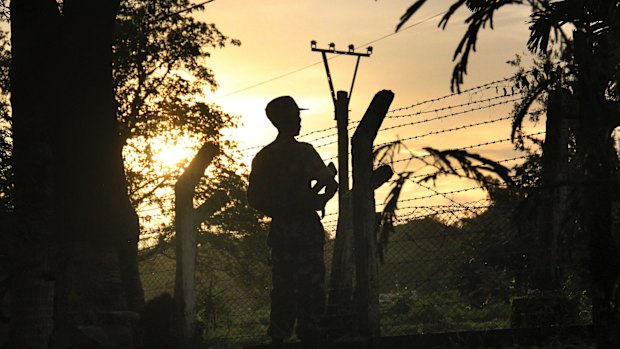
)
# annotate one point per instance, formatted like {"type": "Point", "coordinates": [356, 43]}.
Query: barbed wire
{"type": "Point", "coordinates": [457, 191]}
{"type": "Point", "coordinates": [486, 86]}
{"type": "Point", "coordinates": [489, 85]}
{"type": "Point", "coordinates": [404, 218]}
{"type": "Point", "coordinates": [417, 122]}
{"type": "Point", "coordinates": [460, 168]}
{"type": "Point", "coordinates": [352, 123]}
{"type": "Point", "coordinates": [317, 131]}
{"type": "Point", "coordinates": [431, 119]}
{"type": "Point", "coordinates": [350, 127]}
{"type": "Point", "coordinates": [355, 122]}
{"type": "Point", "coordinates": [459, 106]}
{"type": "Point", "coordinates": [442, 206]}
{"type": "Point", "coordinates": [503, 140]}
{"type": "Point", "coordinates": [448, 130]}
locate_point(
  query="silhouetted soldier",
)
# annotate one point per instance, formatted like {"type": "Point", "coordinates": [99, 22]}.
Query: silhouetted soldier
{"type": "Point", "coordinates": [281, 187]}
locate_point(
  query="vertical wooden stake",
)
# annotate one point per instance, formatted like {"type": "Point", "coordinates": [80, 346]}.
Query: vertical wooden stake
{"type": "Point", "coordinates": [341, 280]}
{"type": "Point", "coordinates": [187, 220]}
{"type": "Point", "coordinates": [554, 172]}
{"type": "Point", "coordinates": [366, 280]}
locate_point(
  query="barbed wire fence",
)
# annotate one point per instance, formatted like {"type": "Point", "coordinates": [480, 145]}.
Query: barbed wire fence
{"type": "Point", "coordinates": [456, 259]}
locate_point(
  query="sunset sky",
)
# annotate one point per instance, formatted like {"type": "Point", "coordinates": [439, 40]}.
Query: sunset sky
{"type": "Point", "coordinates": [416, 64]}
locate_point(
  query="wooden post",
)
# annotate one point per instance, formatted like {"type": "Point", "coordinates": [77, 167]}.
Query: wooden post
{"type": "Point", "coordinates": [366, 280]}
{"type": "Point", "coordinates": [553, 176]}
{"type": "Point", "coordinates": [187, 220]}
{"type": "Point", "coordinates": [341, 280]}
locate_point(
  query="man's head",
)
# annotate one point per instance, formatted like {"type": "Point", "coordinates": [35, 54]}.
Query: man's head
{"type": "Point", "coordinates": [283, 113]}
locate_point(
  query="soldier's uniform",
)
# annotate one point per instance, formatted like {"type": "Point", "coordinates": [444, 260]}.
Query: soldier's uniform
{"type": "Point", "coordinates": [280, 187]}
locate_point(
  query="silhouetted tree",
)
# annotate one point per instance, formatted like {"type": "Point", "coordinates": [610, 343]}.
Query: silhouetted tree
{"type": "Point", "coordinates": [76, 236]}
{"type": "Point", "coordinates": [72, 203]}
{"type": "Point", "coordinates": [6, 173]}
{"type": "Point", "coordinates": [161, 75]}
{"type": "Point", "coordinates": [591, 60]}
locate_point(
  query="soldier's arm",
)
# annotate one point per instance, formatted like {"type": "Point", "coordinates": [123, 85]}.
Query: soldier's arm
{"type": "Point", "coordinates": [325, 179]}
{"type": "Point", "coordinates": [258, 190]}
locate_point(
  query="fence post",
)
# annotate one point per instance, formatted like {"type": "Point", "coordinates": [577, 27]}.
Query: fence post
{"type": "Point", "coordinates": [341, 279]}
{"type": "Point", "coordinates": [187, 220]}
{"type": "Point", "coordinates": [366, 279]}
{"type": "Point", "coordinates": [553, 177]}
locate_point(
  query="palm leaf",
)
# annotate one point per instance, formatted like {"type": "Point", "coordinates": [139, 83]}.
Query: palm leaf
{"type": "Point", "coordinates": [387, 217]}
{"type": "Point", "coordinates": [410, 12]}
{"type": "Point", "coordinates": [522, 109]}
{"type": "Point", "coordinates": [472, 166]}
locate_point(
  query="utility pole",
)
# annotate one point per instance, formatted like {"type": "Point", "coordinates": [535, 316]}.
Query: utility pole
{"type": "Point", "coordinates": [339, 310]}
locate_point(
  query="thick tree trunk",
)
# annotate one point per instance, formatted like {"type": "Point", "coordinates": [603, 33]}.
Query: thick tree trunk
{"type": "Point", "coordinates": [33, 68]}
{"type": "Point", "coordinates": [98, 228]}
{"type": "Point", "coordinates": [71, 188]}
{"type": "Point", "coordinates": [597, 221]}
{"type": "Point", "coordinates": [596, 145]}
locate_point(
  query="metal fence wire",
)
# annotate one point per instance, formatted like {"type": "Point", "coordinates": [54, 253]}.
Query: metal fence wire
{"type": "Point", "coordinates": [446, 268]}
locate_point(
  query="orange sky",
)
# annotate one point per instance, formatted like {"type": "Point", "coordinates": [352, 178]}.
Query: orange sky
{"type": "Point", "coordinates": [416, 64]}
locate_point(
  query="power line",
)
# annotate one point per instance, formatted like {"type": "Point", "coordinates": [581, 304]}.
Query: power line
{"type": "Point", "coordinates": [320, 62]}
{"type": "Point", "coordinates": [272, 79]}
{"type": "Point", "coordinates": [405, 28]}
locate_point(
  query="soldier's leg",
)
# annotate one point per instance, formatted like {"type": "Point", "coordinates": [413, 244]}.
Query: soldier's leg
{"type": "Point", "coordinates": [311, 295]}
{"type": "Point", "coordinates": [283, 299]}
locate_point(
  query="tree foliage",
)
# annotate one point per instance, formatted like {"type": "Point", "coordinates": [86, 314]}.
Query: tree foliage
{"type": "Point", "coordinates": [587, 71]}
{"type": "Point", "coordinates": [437, 163]}
{"type": "Point", "coordinates": [162, 76]}
{"type": "Point", "coordinates": [6, 142]}
{"type": "Point", "coordinates": [160, 69]}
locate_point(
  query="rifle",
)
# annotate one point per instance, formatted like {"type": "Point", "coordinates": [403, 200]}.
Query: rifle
{"type": "Point", "coordinates": [319, 186]}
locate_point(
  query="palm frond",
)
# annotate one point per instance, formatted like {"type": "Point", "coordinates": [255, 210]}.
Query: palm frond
{"type": "Point", "coordinates": [385, 152]}
{"type": "Point", "coordinates": [409, 13]}
{"type": "Point", "coordinates": [480, 18]}
{"type": "Point", "coordinates": [387, 218]}
{"type": "Point", "coordinates": [522, 109]}
{"type": "Point", "coordinates": [471, 165]}
{"type": "Point", "coordinates": [451, 11]}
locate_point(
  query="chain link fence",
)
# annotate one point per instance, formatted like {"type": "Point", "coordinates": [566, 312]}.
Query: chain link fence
{"type": "Point", "coordinates": [457, 267]}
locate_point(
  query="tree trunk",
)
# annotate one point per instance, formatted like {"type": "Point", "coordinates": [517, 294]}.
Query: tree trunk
{"type": "Point", "coordinates": [33, 68]}
{"type": "Point", "coordinates": [64, 108]}
{"type": "Point", "coordinates": [595, 143]}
